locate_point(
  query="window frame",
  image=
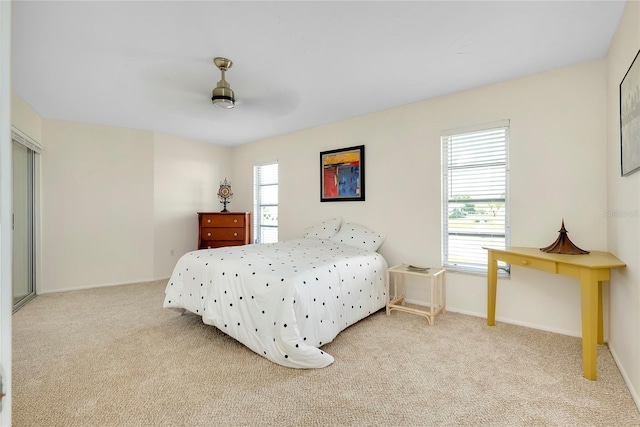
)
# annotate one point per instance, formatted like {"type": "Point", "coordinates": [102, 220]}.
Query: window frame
{"type": "Point", "coordinates": [474, 268]}
{"type": "Point", "coordinates": [257, 204]}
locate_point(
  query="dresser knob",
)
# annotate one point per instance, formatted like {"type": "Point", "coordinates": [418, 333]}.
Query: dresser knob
{"type": "Point", "coordinates": [235, 220]}
{"type": "Point", "coordinates": [525, 262]}
{"type": "Point", "coordinates": [235, 234]}
{"type": "Point", "coordinates": [209, 234]}
{"type": "Point", "coordinates": [208, 220]}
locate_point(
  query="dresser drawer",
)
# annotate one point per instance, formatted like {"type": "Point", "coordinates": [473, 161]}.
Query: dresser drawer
{"type": "Point", "coordinates": [525, 261]}
{"type": "Point", "coordinates": [229, 220]}
{"type": "Point", "coordinates": [219, 233]}
{"type": "Point", "coordinates": [212, 244]}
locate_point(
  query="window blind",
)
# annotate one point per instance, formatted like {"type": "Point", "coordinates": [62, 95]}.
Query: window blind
{"type": "Point", "coordinates": [265, 203]}
{"type": "Point", "coordinates": [475, 195]}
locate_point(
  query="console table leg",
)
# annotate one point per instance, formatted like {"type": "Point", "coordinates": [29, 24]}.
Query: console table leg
{"type": "Point", "coordinates": [600, 316]}
{"type": "Point", "coordinates": [589, 305]}
{"type": "Point", "coordinates": [492, 286]}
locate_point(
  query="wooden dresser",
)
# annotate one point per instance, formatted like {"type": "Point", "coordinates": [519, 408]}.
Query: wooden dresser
{"type": "Point", "coordinates": [218, 229]}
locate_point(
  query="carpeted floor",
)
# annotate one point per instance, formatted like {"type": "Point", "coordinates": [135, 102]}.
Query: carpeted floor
{"type": "Point", "coordinates": [114, 357]}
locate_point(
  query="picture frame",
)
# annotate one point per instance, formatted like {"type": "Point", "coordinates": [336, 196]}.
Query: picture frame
{"type": "Point", "coordinates": [342, 174]}
{"type": "Point", "coordinates": [630, 119]}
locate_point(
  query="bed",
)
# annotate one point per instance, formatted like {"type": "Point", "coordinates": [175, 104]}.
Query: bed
{"type": "Point", "coordinates": [285, 300]}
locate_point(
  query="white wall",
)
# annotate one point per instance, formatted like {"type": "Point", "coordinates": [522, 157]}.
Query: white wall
{"type": "Point", "coordinates": [25, 118]}
{"type": "Point", "coordinates": [97, 206]}
{"type": "Point", "coordinates": [187, 175]}
{"type": "Point", "coordinates": [118, 205]}
{"type": "Point", "coordinates": [623, 205]}
{"type": "Point", "coordinates": [558, 134]}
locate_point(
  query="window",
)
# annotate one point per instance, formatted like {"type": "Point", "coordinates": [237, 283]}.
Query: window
{"type": "Point", "coordinates": [475, 195]}
{"type": "Point", "coordinates": [265, 203]}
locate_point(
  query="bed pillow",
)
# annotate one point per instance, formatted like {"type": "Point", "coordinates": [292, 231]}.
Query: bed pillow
{"type": "Point", "coordinates": [359, 237]}
{"type": "Point", "coordinates": [324, 230]}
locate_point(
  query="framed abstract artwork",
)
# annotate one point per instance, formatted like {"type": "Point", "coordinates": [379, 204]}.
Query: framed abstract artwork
{"type": "Point", "coordinates": [342, 175]}
{"type": "Point", "coordinates": [630, 119]}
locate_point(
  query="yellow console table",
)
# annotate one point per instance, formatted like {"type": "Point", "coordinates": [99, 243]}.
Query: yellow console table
{"type": "Point", "coordinates": [591, 269]}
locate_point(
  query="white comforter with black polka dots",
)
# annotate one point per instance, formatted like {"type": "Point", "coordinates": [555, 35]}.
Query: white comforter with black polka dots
{"type": "Point", "coordinates": [282, 300]}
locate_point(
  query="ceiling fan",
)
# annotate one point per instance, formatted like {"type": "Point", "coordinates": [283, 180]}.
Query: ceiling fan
{"type": "Point", "coordinates": [222, 95]}
{"type": "Point", "coordinates": [270, 102]}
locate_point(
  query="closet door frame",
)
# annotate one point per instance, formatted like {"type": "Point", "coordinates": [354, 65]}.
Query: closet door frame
{"type": "Point", "coordinates": [19, 137]}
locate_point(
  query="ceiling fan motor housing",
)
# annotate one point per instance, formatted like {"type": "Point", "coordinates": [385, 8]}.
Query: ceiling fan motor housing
{"type": "Point", "coordinates": [222, 96]}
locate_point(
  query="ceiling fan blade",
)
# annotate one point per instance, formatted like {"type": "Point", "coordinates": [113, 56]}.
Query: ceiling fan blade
{"type": "Point", "coordinates": [276, 104]}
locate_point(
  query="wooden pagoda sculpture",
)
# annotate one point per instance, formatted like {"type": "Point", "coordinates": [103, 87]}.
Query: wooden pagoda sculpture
{"type": "Point", "coordinates": [563, 245]}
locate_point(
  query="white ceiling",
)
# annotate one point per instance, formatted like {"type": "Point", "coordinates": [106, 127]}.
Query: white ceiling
{"type": "Point", "coordinates": [149, 64]}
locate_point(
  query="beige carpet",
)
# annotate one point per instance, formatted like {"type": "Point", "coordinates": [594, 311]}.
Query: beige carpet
{"type": "Point", "coordinates": [114, 357]}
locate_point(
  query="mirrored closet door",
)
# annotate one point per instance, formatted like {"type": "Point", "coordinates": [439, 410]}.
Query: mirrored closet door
{"type": "Point", "coordinates": [24, 160]}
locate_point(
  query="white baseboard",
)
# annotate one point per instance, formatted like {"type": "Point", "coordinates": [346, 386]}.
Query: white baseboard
{"type": "Point", "coordinates": [627, 380]}
{"type": "Point", "coordinates": [102, 285]}
{"type": "Point", "coordinates": [504, 320]}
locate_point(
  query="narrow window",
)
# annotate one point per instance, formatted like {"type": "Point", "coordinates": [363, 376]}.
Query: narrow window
{"type": "Point", "coordinates": [475, 195]}
{"type": "Point", "coordinates": [265, 203]}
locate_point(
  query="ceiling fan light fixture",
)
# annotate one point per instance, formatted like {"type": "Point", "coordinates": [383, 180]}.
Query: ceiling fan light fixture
{"type": "Point", "coordinates": [222, 96]}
